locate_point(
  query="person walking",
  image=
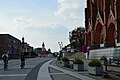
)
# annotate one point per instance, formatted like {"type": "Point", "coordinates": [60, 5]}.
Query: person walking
{"type": "Point", "coordinates": [5, 60]}
{"type": "Point", "coordinates": [22, 61]}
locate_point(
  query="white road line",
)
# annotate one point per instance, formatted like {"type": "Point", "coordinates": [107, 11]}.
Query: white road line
{"type": "Point", "coordinates": [12, 75]}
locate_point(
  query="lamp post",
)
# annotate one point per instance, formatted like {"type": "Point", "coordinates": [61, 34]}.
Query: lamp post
{"type": "Point", "coordinates": [23, 47]}
{"type": "Point", "coordinates": [85, 37]}
{"type": "Point", "coordinates": [61, 45]}
{"type": "Point", "coordinates": [88, 52]}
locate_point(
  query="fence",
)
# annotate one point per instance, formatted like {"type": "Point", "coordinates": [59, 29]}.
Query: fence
{"type": "Point", "coordinates": [113, 53]}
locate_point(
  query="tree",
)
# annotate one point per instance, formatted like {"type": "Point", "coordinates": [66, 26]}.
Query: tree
{"type": "Point", "coordinates": [77, 38]}
{"type": "Point", "coordinates": [49, 50]}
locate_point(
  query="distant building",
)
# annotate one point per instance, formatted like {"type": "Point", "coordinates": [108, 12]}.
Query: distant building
{"type": "Point", "coordinates": [10, 44]}
{"type": "Point", "coordinates": [26, 48]}
{"type": "Point", "coordinates": [42, 51]}
{"type": "Point", "coordinates": [38, 51]}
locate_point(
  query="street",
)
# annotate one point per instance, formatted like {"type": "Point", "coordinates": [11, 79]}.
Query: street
{"type": "Point", "coordinates": [14, 71]}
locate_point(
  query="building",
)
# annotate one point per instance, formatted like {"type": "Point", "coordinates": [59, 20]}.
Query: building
{"type": "Point", "coordinates": [10, 44]}
{"type": "Point", "coordinates": [42, 51]}
{"type": "Point", "coordinates": [102, 23]}
{"type": "Point", "coordinates": [38, 51]}
{"type": "Point", "coordinates": [26, 48]}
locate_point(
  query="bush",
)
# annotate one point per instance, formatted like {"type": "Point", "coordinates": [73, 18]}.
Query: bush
{"type": "Point", "coordinates": [95, 62]}
{"type": "Point", "coordinates": [103, 58]}
{"type": "Point", "coordinates": [78, 61]}
{"type": "Point", "coordinates": [65, 59]}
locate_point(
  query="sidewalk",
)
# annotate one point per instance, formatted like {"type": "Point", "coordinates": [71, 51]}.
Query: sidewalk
{"type": "Point", "coordinates": [52, 71]}
{"type": "Point", "coordinates": [70, 74]}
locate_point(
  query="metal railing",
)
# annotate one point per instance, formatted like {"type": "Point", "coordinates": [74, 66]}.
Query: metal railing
{"type": "Point", "coordinates": [106, 45]}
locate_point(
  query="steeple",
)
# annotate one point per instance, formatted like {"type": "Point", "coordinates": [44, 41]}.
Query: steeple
{"type": "Point", "coordinates": [22, 39]}
{"type": "Point", "coordinates": [43, 47]}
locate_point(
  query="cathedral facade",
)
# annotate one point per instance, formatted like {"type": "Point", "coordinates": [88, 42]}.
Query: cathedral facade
{"type": "Point", "coordinates": [102, 23]}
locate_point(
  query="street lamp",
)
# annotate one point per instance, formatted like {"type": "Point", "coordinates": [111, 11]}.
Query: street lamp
{"type": "Point", "coordinates": [88, 52]}
{"type": "Point", "coordinates": [60, 45]}
{"type": "Point", "coordinates": [23, 47]}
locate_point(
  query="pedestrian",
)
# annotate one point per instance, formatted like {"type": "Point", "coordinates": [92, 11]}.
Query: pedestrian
{"type": "Point", "coordinates": [22, 60]}
{"type": "Point", "coordinates": [5, 60]}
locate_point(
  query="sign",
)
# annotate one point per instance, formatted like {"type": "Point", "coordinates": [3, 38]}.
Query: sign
{"type": "Point", "coordinates": [84, 48]}
{"type": "Point", "coordinates": [101, 45]}
{"type": "Point", "coordinates": [118, 44]}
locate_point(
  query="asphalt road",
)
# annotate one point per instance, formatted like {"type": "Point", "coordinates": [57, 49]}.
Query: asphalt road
{"type": "Point", "coordinates": [14, 71]}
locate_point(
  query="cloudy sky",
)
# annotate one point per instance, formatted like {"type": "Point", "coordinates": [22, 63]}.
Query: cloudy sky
{"type": "Point", "coordinates": [48, 21]}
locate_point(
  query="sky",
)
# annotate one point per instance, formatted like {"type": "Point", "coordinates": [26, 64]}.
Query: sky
{"type": "Point", "coordinates": [38, 21]}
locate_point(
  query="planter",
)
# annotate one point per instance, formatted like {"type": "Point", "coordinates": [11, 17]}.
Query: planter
{"type": "Point", "coordinates": [71, 62]}
{"type": "Point", "coordinates": [78, 67]}
{"type": "Point", "coordinates": [66, 63]}
{"type": "Point", "coordinates": [95, 70]}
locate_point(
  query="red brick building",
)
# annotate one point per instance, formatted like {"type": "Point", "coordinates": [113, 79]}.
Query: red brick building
{"type": "Point", "coordinates": [102, 23]}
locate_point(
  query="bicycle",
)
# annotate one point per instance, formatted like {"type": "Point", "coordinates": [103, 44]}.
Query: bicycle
{"type": "Point", "coordinates": [5, 65]}
{"type": "Point", "coordinates": [22, 64]}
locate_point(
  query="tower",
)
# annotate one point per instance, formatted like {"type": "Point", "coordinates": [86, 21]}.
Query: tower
{"type": "Point", "coordinates": [22, 39]}
{"type": "Point", "coordinates": [43, 47]}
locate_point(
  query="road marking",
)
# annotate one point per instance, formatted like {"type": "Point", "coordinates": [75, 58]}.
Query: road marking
{"type": "Point", "coordinates": [12, 75]}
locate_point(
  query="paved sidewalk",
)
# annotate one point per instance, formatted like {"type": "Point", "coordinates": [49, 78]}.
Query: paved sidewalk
{"type": "Point", "coordinates": [50, 71]}
{"type": "Point", "coordinates": [76, 75]}
{"type": "Point", "coordinates": [43, 73]}
{"type": "Point", "coordinates": [80, 73]}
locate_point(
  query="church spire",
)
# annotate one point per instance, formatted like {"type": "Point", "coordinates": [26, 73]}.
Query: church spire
{"type": "Point", "coordinates": [43, 47]}
{"type": "Point", "coordinates": [22, 39]}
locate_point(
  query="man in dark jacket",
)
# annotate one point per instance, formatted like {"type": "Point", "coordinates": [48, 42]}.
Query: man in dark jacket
{"type": "Point", "coordinates": [5, 60]}
{"type": "Point", "coordinates": [22, 61]}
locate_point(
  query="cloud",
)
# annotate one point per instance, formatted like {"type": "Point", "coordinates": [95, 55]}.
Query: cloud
{"type": "Point", "coordinates": [70, 13]}
{"type": "Point", "coordinates": [69, 8]}
{"type": "Point", "coordinates": [22, 20]}
{"type": "Point", "coordinates": [49, 29]}
{"type": "Point", "coordinates": [51, 34]}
